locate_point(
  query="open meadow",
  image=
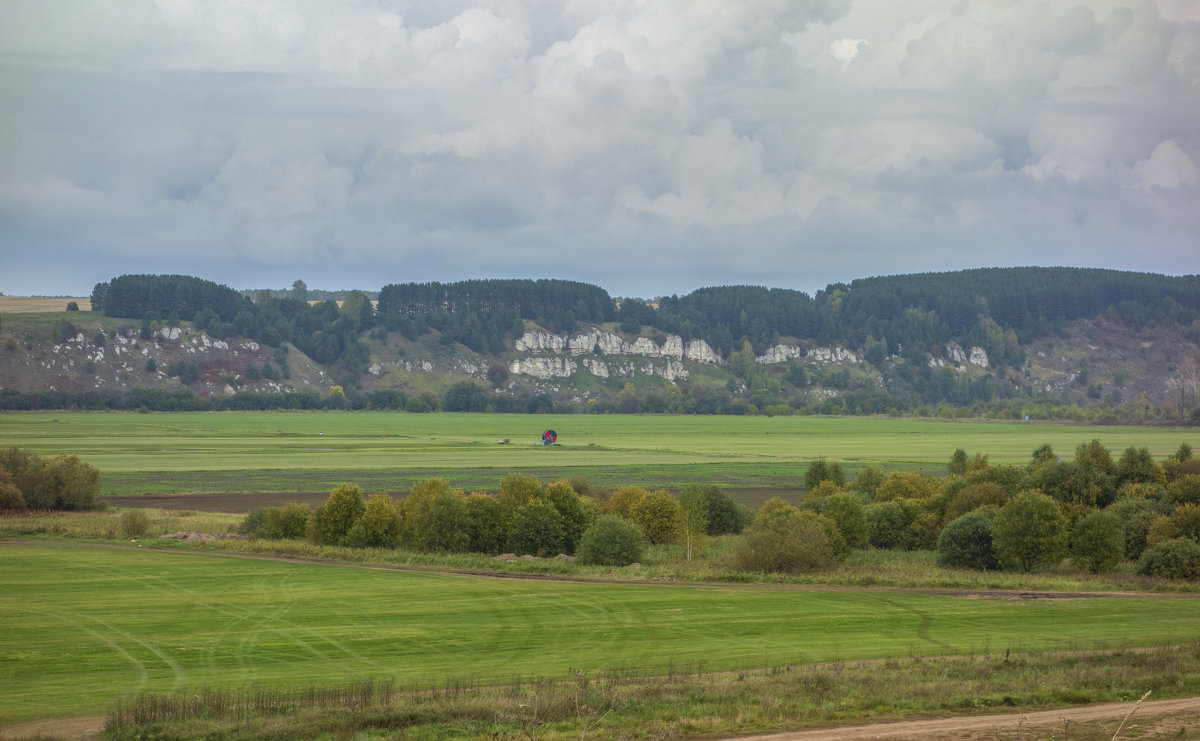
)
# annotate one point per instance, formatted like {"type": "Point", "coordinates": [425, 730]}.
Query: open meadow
{"type": "Point", "coordinates": [249, 452]}
{"type": "Point", "coordinates": [88, 625]}
{"type": "Point", "coordinates": [94, 622]}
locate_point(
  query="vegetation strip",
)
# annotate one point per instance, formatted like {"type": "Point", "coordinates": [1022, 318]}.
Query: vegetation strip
{"type": "Point", "coordinates": [90, 626]}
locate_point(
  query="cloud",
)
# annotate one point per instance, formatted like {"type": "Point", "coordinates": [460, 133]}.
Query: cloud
{"type": "Point", "coordinates": [657, 146]}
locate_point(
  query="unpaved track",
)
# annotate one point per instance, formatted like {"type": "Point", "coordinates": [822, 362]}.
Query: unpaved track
{"type": "Point", "coordinates": [1152, 719]}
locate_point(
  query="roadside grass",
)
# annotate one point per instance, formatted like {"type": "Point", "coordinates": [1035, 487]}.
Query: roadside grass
{"type": "Point", "coordinates": [683, 702]}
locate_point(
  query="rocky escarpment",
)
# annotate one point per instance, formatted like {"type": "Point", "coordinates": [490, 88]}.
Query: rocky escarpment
{"type": "Point", "coordinates": [606, 355]}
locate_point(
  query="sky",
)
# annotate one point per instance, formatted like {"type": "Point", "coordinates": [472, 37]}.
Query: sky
{"type": "Point", "coordinates": [650, 147]}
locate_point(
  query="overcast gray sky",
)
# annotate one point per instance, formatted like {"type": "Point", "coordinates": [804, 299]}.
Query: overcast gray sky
{"type": "Point", "coordinates": [650, 147]}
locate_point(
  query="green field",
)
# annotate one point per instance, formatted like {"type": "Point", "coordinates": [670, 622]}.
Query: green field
{"type": "Point", "coordinates": [87, 625]}
{"type": "Point", "coordinates": [311, 451]}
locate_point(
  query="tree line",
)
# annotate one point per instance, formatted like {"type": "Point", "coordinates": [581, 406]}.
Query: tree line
{"type": "Point", "coordinates": [1095, 510]}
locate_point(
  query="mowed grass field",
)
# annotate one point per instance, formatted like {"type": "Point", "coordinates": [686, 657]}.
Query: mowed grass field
{"type": "Point", "coordinates": [312, 451]}
{"type": "Point", "coordinates": [86, 625]}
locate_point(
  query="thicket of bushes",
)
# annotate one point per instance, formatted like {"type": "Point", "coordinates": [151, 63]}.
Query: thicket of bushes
{"type": "Point", "coordinates": [1095, 510]}
{"type": "Point", "coordinates": [28, 481]}
{"type": "Point", "coordinates": [525, 518]}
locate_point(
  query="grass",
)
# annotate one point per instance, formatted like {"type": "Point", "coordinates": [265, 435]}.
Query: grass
{"type": "Point", "coordinates": [628, 703]}
{"type": "Point", "coordinates": [309, 451]}
{"type": "Point", "coordinates": [85, 626]}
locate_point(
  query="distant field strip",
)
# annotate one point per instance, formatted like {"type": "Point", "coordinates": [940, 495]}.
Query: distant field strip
{"type": "Point", "coordinates": [85, 625]}
{"type": "Point", "coordinates": [147, 452]}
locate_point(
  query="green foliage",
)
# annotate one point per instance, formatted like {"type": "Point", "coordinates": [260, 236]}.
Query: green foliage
{"type": "Point", "coordinates": [285, 523]}
{"type": "Point", "coordinates": [516, 490]}
{"type": "Point", "coordinates": [850, 517]}
{"type": "Point", "coordinates": [330, 522]}
{"type": "Point", "coordinates": [133, 523]}
{"type": "Point", "coordinates": [1030, 532]}
{"type": "Point", "coordinates": [485, 530]}
{"type": "Point", "coordinates": [819, 470]}
{"type": "Point", "coordinates": [904, 485]}
{"type": "Point", "coordinates": [435, 518]}
{"type": "Point", "coordinates": [537, 530]}
{"type": "Point", "coordinates": [1174, 559]}
{"type": "Point", "coordinates": [786, 540]}
{"type": "Point", "coordinates": [658, 515]}
{"type": "Point", "coordinates": [693, 520]}
{"type": "Point", "coordinates": [11, 498]}
{"type": "Point", "coordinates": [1098, 542]}
{"type": "Point", "coordinates": [868, 480]}
{"type": "Point", "coordinates": [958, 463]}
{"type": "Point", "coordinates": [1136, 516]}
{"type": "Point", "coordinates": [973, 496]}
{"type": "Point", "coordinates": [723, 516]}
{"type": "Point", "coordinates": [1136, 466]}
{"type": "Point", "coordinates": [465, 396]}
{"type": "Point", "coordinates": [624, 499]}
{"type": "Point", "coordinates": [1184, 490]}
{"type": "Point", "coordinates": [380, 522]}
{"type": "Point", "coordinates": [575, 517]}
{"type": "Point", "coordinates": [888, 526]}
{"type": "Point", "coordinates": [611, 541]}
{"type": "Point", "coordinates": [63, 482]}
{"type": "Point", "coordinates": [966, 542]}
{"type": "Point", "coordinates": [1186, 520]}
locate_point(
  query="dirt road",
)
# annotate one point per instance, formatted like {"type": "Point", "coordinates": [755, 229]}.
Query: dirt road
{"type": "Point", "coordinates": [1176, 719]}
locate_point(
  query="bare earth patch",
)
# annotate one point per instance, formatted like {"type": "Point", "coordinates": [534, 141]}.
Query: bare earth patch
{"type": "Point", "coordinates": [1178, 718]}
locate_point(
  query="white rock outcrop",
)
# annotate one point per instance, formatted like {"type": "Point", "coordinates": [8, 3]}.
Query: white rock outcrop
{"type": "Point", "coordinates": [552, 355]}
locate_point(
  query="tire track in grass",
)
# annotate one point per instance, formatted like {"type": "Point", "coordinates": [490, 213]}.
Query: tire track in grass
{"type": "Point", "coordinates": [922, 626]}
{"type": "Point", "coordinates": [265, 622]}
{"type": "Point", "coordinates": [140, 670]}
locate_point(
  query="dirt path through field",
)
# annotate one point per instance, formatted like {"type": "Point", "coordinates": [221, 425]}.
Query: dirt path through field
{"type": "Point", "coordinates": [1153, 719]}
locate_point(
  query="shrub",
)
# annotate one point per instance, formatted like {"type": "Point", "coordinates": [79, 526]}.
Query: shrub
{"type": "Point", "coordinates": [974, 496]}
{"type": "Point", "coordinates": [11, 498]}
{"type": "Point", "coordinates": [380, 522]}
{"type": "Point", "coordinates": [485, 534]}
{"type": "Point", "coordinates": [787, 541]}
{"type": "Point", "coordinates": [1174, 559]}
{"type": "Point", "coordinates": [133, 523]}
{"type": "Point", "coordinates": [900, 485]}
{"type": "Point", "coordinates": [1136, 517]}
{"type": "Point", "coordinates": [435, 518]}
{"type": "Point", "coordinates": [1184, 490]}
{"type": "Point", "coordinates": [658, 515]}
{"type": "Point", "coordinates": [537, 530]}
{"type": "Point", "coordinates": [819, 470]}
{"type": "Point", "coordinates": [848, 513]}
{"type": "Point", "coordinates": [966, 542]}
{"type": "Point", "coordinates": [723, 515]}
{"type": "Point", "coordinates": [611, 541]}
{"type": "Point", "coordinates": [1186, 520]}
{"type": "Point", "coordinates": [1098, 542]}
{"type": "Point", "coordinates": [575, 518]}
{"type": "Point", "coordinates": [286, 522]}
{"type": "Point", "coordinates": [623, 500]}
{"type": "Point", "coordinates": [1029, 532]}
{"type": "Point", "coordinates": [888, 526]}
{"type": "Point", "coordinates": [330, 522]}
